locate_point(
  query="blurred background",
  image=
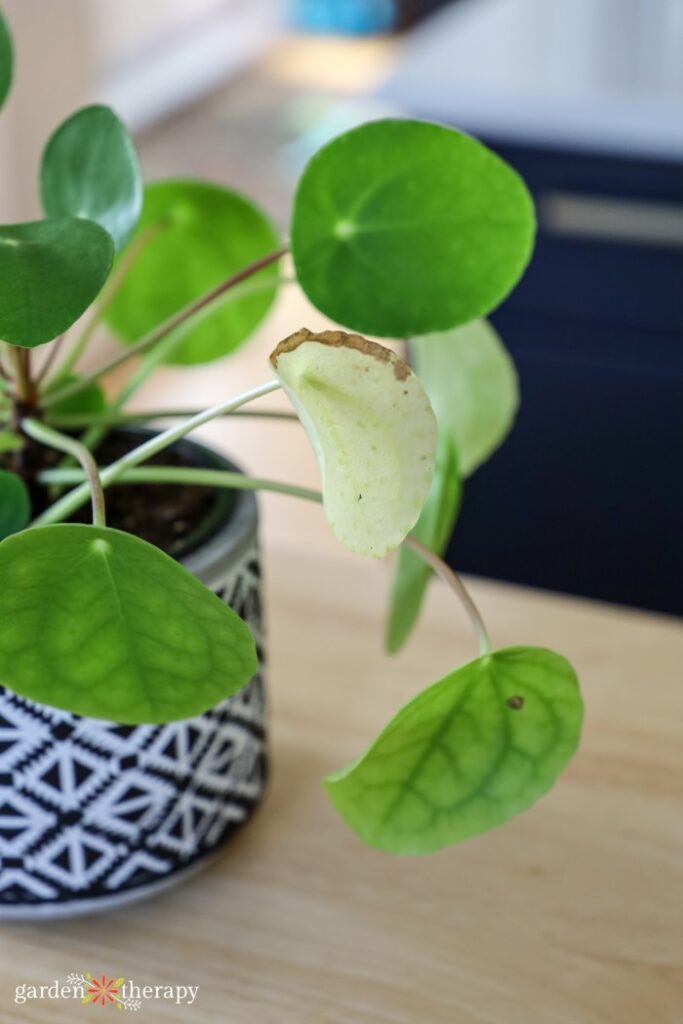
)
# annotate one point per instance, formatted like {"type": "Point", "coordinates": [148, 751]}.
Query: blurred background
{"type": "Point", "coordinates": [583, 97]}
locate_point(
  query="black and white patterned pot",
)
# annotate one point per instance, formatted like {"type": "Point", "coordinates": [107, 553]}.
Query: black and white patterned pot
{"type": "Point", "coordinates": [94, 815]}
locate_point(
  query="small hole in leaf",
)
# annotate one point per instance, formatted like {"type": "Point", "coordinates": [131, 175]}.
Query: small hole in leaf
{"type": "Point", "coordinates": [515, 703]}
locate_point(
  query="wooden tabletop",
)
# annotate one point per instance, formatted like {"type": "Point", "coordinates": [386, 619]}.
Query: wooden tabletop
{"type": "Point", "coordinates": [571, 914]}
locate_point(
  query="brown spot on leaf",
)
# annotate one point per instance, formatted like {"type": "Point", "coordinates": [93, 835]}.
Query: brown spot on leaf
{"type": "Point", "coordinates": [340, 339]}
{"type": "Point", "coordinates": [515, 703]}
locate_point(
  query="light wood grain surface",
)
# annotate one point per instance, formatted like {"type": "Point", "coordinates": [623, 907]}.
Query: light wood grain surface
{"type": "Point", "coordinates": [571, 914]}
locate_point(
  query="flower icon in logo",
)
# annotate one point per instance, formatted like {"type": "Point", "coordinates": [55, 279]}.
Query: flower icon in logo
{"type": "Point", "coordinates": [103, 991]}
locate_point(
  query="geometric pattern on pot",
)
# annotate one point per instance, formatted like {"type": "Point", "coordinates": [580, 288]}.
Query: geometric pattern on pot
{"type": "Point", "coordinates": [95, 814]}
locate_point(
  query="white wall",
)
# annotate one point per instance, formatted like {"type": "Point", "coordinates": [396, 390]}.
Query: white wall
{"type": "Point", "coordinates": [123, 30]}
{"type": "Point", "coordinates": [144, 57]}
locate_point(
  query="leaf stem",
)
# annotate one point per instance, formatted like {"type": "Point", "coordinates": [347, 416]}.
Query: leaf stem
{"type": "Point", "coordinates": [182, 475]}
{"type": "Point", "coordinates": [6, 360]}
{"type": "Point", "coordinates": [21, 379]}
{"type": "Point", "coordinates": [239, 481]}
{"type": "Point", "coordinates": [74, 499]}
{"type": "Point", "coordinates": [186, 314]}
{"type": "Point", "coordinates": [451, 578]}
{"type": "Point", "coordinates": [52, 355]}
{"type": "Point", "coordinates": [61, 442]}
{"type": "Point", "coordinates": [160, 352]}
{"type": "Point", "coordinates": [113, 419]}
{"type": "Point", "coordinates": [106, 296]}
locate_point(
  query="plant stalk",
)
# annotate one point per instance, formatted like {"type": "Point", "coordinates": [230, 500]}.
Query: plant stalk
{"type": "Point", "coordinates": [238, 481]}
{"type": "Point", "coordinates": [63, 508]}
{"type": "Point", "coordinates": [185, 315]}
{"type": "Point", "coordinates": [52, 355]}
{"type": "Point", "coordinates": [104, 419]}
{"type": "Point", "coordinates": [106, 296]}
{"type": "Point", "coordinates": [22, 383]}
{"type": "Point", "coordinates": [181, 475]}
{"type": "Point", "coordinates": [157, 354]}
{"type": "Point", "coordinates": [451, 579]}
{"type": "Point", "coordinates": [61, 442]}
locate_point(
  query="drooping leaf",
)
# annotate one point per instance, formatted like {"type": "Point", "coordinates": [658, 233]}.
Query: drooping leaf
{"type": "Point", "coordinates": [90, 399]}
{"type": "Point", "coordinates": [100, 623]}
{"type": "Point", "coordinates": [6, 59]}
{"type": "Point", "coordinates": [466, 754]}
{"type": "Point", "coordinates": [205, 234]}
{"type": "Point", "coordinates": [472, 384]}
{"type": "Point", "coordinates": [15, 504]}
{"type": "Point", "coordinates": [90, 169]}
{"type": "Point", "coordinates": [403, 227]}
{"type": "Point", "coordinates": [51, 270]}
{"type": "Point", "coordinates": [433, 529]}
{"type": "Point", "coordinates": [372, 429]}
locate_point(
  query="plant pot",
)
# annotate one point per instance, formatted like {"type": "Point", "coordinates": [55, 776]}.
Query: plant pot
{"type": "Point", "coordinates": [95, 815]}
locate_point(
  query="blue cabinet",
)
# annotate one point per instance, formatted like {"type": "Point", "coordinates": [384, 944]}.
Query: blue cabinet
{"type": "Point", "coordinates": [586, 495]}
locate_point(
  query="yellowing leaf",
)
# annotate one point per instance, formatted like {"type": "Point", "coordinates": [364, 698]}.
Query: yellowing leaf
{"type": "Point", "coordinates": [372, 429]}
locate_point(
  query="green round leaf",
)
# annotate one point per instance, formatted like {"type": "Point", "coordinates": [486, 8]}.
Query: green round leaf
{"type": "Point", "coordinates": [404, 227]}
{"type": "Point", "coordinates": [433, 529]}
{"type": "Point", "coordinates": [15, 504]}
{"type": "Point", "coordinates": [372, 429]}
{"type": "Point", "coordinates": [206, 233]}
{"type": "Point", "coordinates": [100, 623]}
{"type": "Point", "coordinates": [466, 754]}
{"type": "Point", "coordinates": [90, 169]}
{"type": "Point", "coordinates": [51, 270]}
{"type": "Point", "coordinates": [6, 59]}
{"type": "Point", "coordinates": [472, 385]}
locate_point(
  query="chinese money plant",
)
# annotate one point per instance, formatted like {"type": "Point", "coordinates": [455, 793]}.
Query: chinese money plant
{"type": "Point", "coordinates": [399, 229]}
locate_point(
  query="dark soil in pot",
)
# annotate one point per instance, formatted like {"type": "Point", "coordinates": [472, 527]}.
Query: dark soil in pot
{"type": "Point", "coordinates": [174, 517]}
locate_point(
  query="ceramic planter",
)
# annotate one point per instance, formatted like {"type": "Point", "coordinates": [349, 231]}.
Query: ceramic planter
{"type": "Point", "coordinates": [94, 815]}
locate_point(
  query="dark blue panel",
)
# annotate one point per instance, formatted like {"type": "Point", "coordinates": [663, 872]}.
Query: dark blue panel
{"type": "Point", "coordinates": [586, 495]}
{"type": "Point", "coordinates": [605, 282]}
{"type": "Point", "coordinates": [602, 280]}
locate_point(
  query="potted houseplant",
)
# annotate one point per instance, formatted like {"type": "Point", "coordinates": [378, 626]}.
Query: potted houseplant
{"type": "Point", "coordinates": [132, 702]}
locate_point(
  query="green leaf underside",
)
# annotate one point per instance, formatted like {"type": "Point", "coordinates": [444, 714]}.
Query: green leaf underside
{"type": "Point", "coordinates": [472, 384]}
{"type": "Point", "coordinates": [51, 270]}
{"type": "Point", "coordinates": [100, 623]}
{"type": "Point", "coordinates": [6, 59]}
{"type": "Point", "coordinates": [403, 227]}
{"type": "Point", "coordinates": [433, 529]}
{"type": "Point", "coordinates": [90, 169]}
{"type": "Point", "coordinates": [372, 429]}
{"type": "Point", "coordinates": [463, 756]}
{"type": "Point", "coordinates": [90, 399]}
{"type": "Point", "coordinates": [206, 234]}
{"type": "Point", "coordinates": [15, 504]}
